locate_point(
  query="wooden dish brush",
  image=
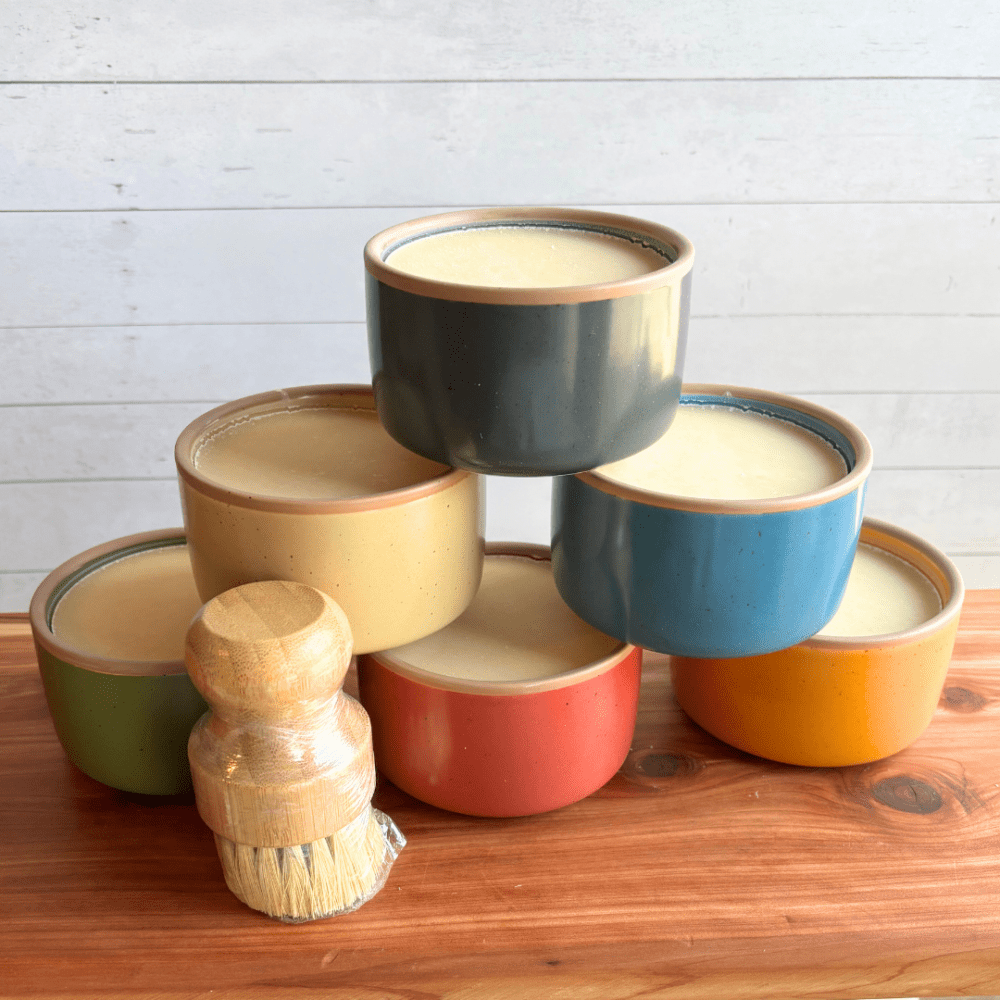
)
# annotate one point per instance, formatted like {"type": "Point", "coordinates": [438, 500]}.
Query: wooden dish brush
{"type": "Point", "coordinates": [282, 765]}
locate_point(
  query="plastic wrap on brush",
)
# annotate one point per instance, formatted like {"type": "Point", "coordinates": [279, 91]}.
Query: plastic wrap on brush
{"type": "Point", "coordinates": [282, 765]}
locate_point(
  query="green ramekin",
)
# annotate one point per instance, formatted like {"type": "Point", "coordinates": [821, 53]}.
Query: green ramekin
{"type": "Point", "coordinates": [124, 723]}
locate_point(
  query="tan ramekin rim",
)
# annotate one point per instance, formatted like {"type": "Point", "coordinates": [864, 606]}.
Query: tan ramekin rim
{"type": "Point", "coordinates": [307, 397]}
{"type": "Point", "coordinates": [852, 481]}
{"type": "Point", "coordinates": [460, 685]}
{"type": "Point", "coordinates": [98, 556]}
{"type": "Point", "coordinates": [925, 558]}
{"type": "Point", "coordinates": [642, 231]}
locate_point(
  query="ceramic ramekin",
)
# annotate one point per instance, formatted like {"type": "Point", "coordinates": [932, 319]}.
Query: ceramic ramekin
{"type": "Point", "coordinates": [712, 578]}
{"type": "Point", "coordinates": [123, 722]}
{"type": "Point", "coordinates": [501, 748]}
{"type": "Point", "coordinates": [833, 701]}
{"type": "Point", "coordinates": [402, 563]}
{"type": "Point", "coordinates": [528, 381]}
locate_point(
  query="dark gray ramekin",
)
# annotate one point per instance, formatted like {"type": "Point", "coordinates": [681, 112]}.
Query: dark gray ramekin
{"type": "Point", "coordinates": [528, 381]}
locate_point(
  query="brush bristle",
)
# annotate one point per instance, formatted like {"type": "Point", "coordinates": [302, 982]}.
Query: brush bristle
{"type": "Point", "coordinates": [329, 876]}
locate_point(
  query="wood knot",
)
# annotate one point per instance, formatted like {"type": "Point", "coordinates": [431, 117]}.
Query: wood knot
{"type": "Point", "coordinates": [907, 794]}
{"type": "Point", "coordinates": [960, 699]}
{"type": "Point", "coordinates": [647, 766]}
{"type": "Point", "coordinates": [659, 765]}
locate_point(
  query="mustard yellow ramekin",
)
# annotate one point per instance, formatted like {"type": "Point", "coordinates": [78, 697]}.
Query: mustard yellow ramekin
{"type": "Point", "coordinates": [833, 701]}
{"type": "Point", "coordinates": [402, 563]}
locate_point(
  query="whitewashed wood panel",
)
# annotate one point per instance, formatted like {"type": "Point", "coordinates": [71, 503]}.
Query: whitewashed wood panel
{"type": "Point", "coordinates": [978, 572]}
{"type": "Point", "coordinates": [407, 39]}
{"type": "Point", "coordinates": [46, 523]}
{"type": "Point", "coordinates": [16, 590]}
{"type": "Point", "coordinates": [694, 114]}
{"type": "Point", "coordinates": [957, 510]}
{"type": "Point", "coordinates": [167, 363]}
{"type": "Point", "coordinates": [803, 354]}
{"type": "Point", "coordinates": [519, 509]}
{"type": "Point", "coordinates": [914, 430]}
{"type": "Point", "coordinates": [85, 268]}
{"type": "Point", "coordinates": [305, 265]}
{"type": "Point", "coordinates": [136, 440]}
{"type": "Point", "coordinates": [112, 441]}
{"type": "Point", "coordinates": [251, 145]}
{"type": "Point", "coordinates": [794, 354]}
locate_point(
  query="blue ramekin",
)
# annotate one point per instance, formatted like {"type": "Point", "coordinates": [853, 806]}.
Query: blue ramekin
{"type": "Point", "coordinates": [712, 578]}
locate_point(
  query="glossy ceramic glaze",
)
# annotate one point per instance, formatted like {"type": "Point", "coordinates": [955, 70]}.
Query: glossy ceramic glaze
{"type": "Point", "coordinates": [712, 578]}
{"type": "Point", "coordinates": [528, 381]}
{"type": "Point", "coordinates": [124, 723]}
{"type": "Point", "coordinates": [495, 748]}
{"type": "Point", "coordinates": [833, 701]}
{"type": "Point", "coordinates": [401, 563]}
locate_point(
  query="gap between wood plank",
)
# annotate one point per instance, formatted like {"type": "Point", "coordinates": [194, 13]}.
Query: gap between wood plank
{"type": "Point", "coordinates": [439, 206]}
{"type": "Point", "coordinates": [360, 322]}
{"type": "Point", "coordinates": [432, 81]}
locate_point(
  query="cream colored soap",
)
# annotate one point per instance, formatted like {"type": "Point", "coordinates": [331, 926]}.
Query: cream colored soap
{"type": "Point", "coordinates": [318, 453]}
{"type": "Point", "coordinates": [136, 608]}
{"type": "Point", "coordinates": [725, 453]}
{"type": "Point", "coordinates": [525, 257]}
{"type": "Point", "coordinates": [517, 628]}
{"type": "Point", "coordinates": [885, 594]}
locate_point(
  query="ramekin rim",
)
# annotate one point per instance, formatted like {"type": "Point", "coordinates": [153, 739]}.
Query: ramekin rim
{"type": "Point", "coordinates": [82, 564]}
{"type": "Point", "coordinates": [592, 219]}
{"type": "Point", "coordinates": [872, 529]}
{"type": "Point", "coordinates": [459, 685]}
{"type": "Point", "coordinates": [189, 474]}
{"type": "Point", "coordinates": [854, 478]}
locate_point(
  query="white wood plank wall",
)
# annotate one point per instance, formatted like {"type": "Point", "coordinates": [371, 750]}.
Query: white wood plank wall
{"type": "Point", "coordinates": [186, 187]}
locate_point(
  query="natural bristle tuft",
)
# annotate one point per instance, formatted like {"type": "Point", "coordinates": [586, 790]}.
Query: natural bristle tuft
{"type": "Point", "coordinates": [329, 876]}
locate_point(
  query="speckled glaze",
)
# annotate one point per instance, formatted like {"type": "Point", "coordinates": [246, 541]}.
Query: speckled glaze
{"type": "Point", "coordinates": [528, 381]}
{"type": "Point", "coordinates": [402, 564]}
{"type": "Point", "coordinates": [833, 701]}
{"type": "Point", "coordinates": [123, 723]}
{"type": "Point", "coordinates": [501, 748]}
{"type": "Point", "coordinates": [712, 578]}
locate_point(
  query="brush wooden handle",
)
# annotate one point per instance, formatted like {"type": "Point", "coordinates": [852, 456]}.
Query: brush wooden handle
{"type": "Point", "coordinates": [284, 757]}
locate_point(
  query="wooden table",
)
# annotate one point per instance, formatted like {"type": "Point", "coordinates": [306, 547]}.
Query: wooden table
{"type": "Point", "coordinates": [697, 871]}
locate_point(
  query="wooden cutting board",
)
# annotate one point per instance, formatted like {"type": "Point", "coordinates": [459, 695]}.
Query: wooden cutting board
{"type": "Point", "coordinates": [698, 871]}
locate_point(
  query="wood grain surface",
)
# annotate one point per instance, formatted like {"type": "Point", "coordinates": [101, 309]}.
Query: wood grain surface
{"type": "Point", "coordinates": [697, 871]}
